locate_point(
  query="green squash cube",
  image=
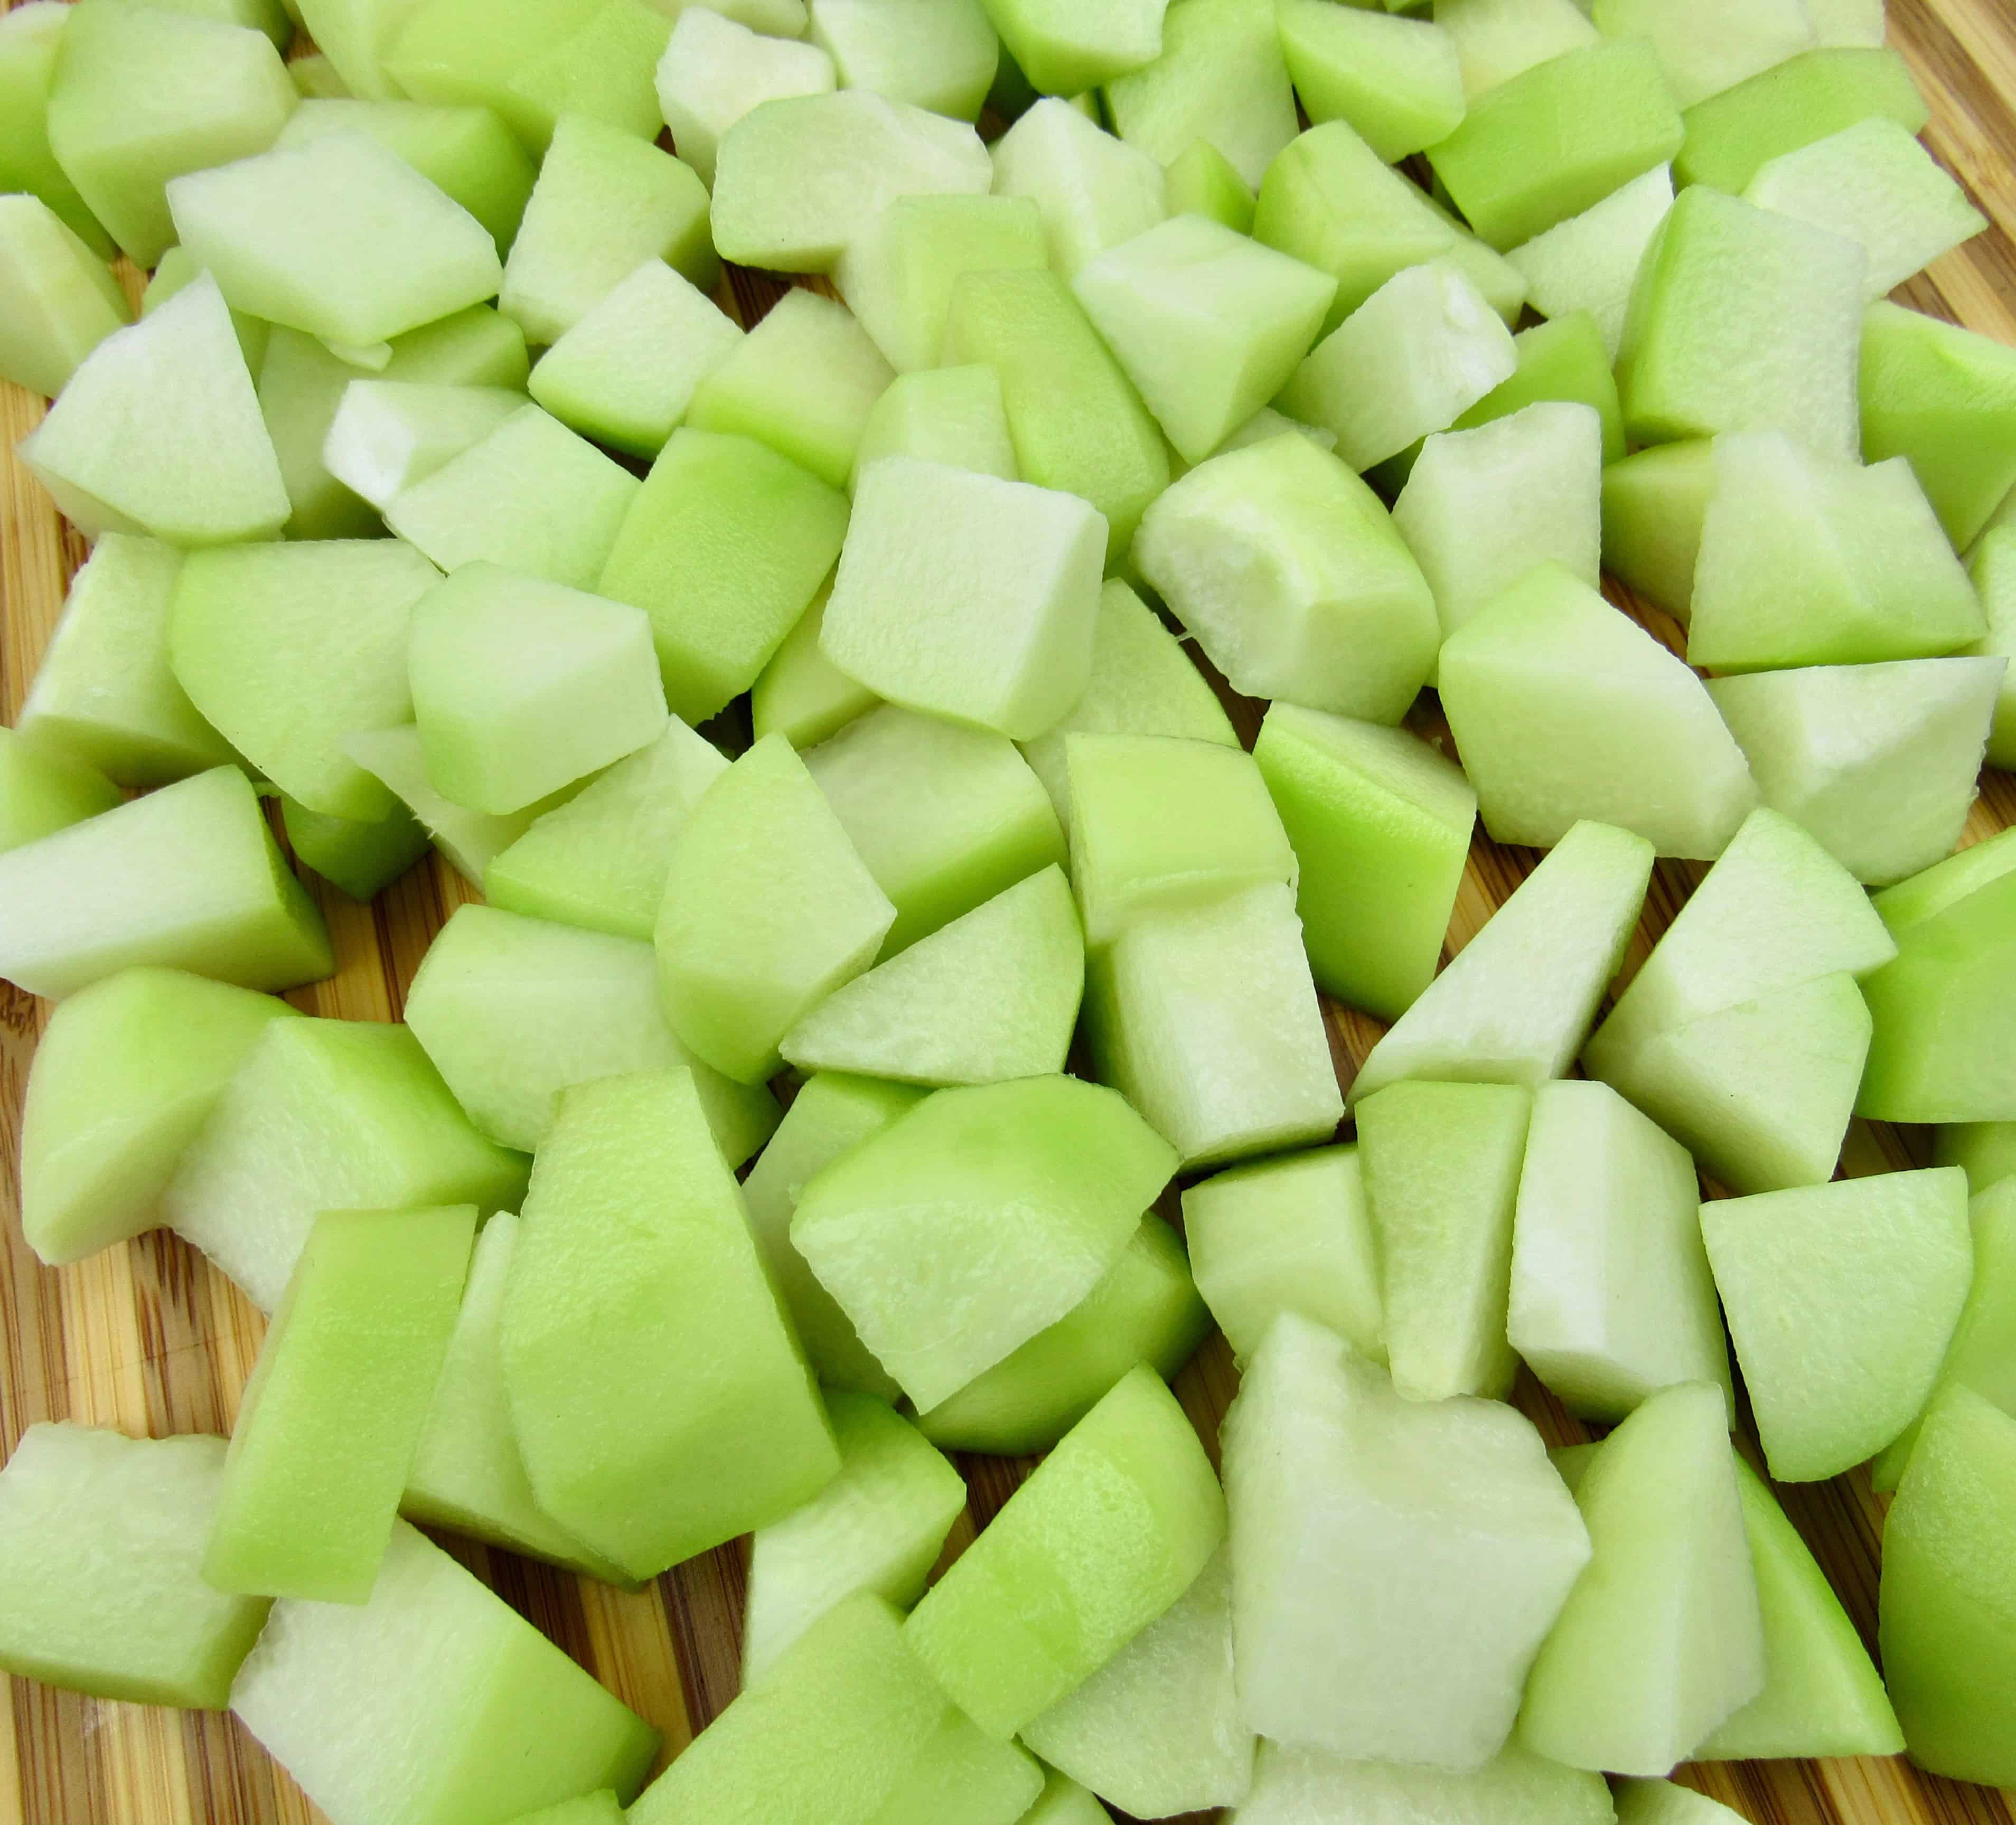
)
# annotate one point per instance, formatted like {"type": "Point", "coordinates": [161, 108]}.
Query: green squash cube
{"type": "Point", "coordinates": [935, 54]}
{"type": "Point", "coordinates": [30, 35]}
{"type": "Point", "coordinates": [801, 694]}
{"type": "Point", "coordinates": [715, 69]}
{"type": "Point", "coordinates": [1987, 1151]}
{"type": "Point", "coordinates": [1397, 81]}
{"type": "Point", "coordinates": [333, 1410]}
{"type": "Point", "coordinates": [1091, 191]}
{"type": "Point", "coordinates": [1654, 504]}
{"type": "Point", "coordinates": [768, 909]}
{"type": "Point", "coordinates": [490, 1717]}
{"type": "Point", "coordinates": [302, 385]}
{"type": "Point", "coordinates": [141, 94]}
{"type": "Point", "coordinates": [1111, 1530]}
{"type": "Point", "coordinates": [286, 649]}
{"type": "Point", "coordinates": [1713, 46]}
{"type": "Point", "coordinates": [187, 878]}
{"type": "Point", "coordinates": [1665, 1802]}
{"type": "Point", "coordinates": [1294, 580]}
{"type": "Point", "coordinates": [1066, 49]}
{"type": "Point", "coordinates": [386, 435]}
{"type": "Point", "coordinates": [102, 1591]}
{"type": "Point", "coordinates": [1496, 40]}
{"type": "Point", "coordinates": [658, 1393]}
{"type": "Point", "coordinates": [337, 236]}
{"type": "Point", "coordinates": [44, 789]}
{"type": "Point", "coordinates": [724, 547]}
{"type": "Point", "coordinates": [1028, 1191]}
{"type": "Point", "coordinates": [127, 1071]}
{"type": "Point", "coordinates": [1590, 261]}
{"type": "Point", "coordinates": [360, 856]}
{"type": "Point", "coordinates": [951, 415]}
{"type": "Point", "coordinates": [1563, 710]}
{"type": "Point", "coordinates": [1561, 362]}
{"type": "Point", "coordinates": [159, 431]}
{"type": "Point", "coordinates": [60, 300]}
{"type": "Point", "coordinates": [1221, 76]}
{"type": "Point", "coordinates": [1201, 182]}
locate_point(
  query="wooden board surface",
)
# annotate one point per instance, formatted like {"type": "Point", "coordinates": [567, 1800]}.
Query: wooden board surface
{"type": "Point", "coordinates": [149, 1338]}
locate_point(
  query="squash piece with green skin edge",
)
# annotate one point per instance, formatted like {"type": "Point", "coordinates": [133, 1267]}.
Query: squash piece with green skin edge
{"type": "Point", "coordinates": [361, 857]}
{"type": "Point", "coordinates": [44, 789]}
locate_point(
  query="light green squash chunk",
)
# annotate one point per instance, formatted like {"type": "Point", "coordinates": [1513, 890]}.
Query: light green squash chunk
{"type": "Point", "coordinates": [627, 373]}
{"type": "Point", "coordinates": [44, 788]}
{"type": "Point", "coordinates": [1146, 1309]}
{"type": "Point", "coordinates": [1294, 580]}
{"type": "Point", "coordinates": [1661, 1638]}
{"type": "Point", "coordinates": [1878, 762]}
{"type": "Point", "coordinates": [1993, 571]}
{"type": "Point", "coordinates": [1945, 398]}
{"type": "Point", "coordinates": [604, 202]}
{"type": "Point", "coordinates": [1562, 362]}
{"type": "Point", "coordinates": [993, 996]}
{"type": "Point", "coordinates": [1654, 504]}
{"type": "Point", "coordinates": [846, 1728]}
{"type": "Point", "coordinates": [1841, 1299]}
{"type": "Point", "coordinates": [360, 856]}
{"type": "Point", "coordinates": [724, 547]}
{"type": "Point", "coordinates": [1423, 349]}
{"type": "Point", "coordinates": [1730, 136]}
{"type": "Point", "coordinates": [1986, 1150]}
{"type": "Point", "coordinates": [768, 910]}
{"type": "Point", "coordinates": [1291, 1786]}
{"type": "Point", "coordinates": [797, 180]}
{"type": "Point", "coordinates": [333, 1412]}
{"type": "Point", "coordinates": [141, 94]}
{"type": "Point", "coordinates": [286, 649]}
{"type": "Point", "coordinates": [468, 153]}
{"type": "Point", "coordinates": [1933, 1058]}
{"type": "Point", "coordinates": [1496, 40]}
{"type": "Point", "coordinates": [1873, 184]}
{"type": "Point", "coordinates": [1157, 1729]}
{"type": "Point", "coordinates": [1611, 1298]}
{"type": "Point", "coordinates": [1077, 424]}
{"type": "Point", "coordinates": [1558, 139]}
{"type": "Point", "coordinates": [1776, 911]}
{"type": "Point", "coordinates": [949, 415]}
{"type": "Point", "coordinates": [1397, 81]}
{"type": "Point", "coordinates": [1590, 261]}
{"type": "Point", "coordinates": [1483, 507]}
{"type": "Point", "coordinates": [1143, 683]}
{"type": "Point", "coordinates": [337, 236]}
{"type": "Point", "coordinates": [899, 277]}
{"type": "Point", "coordinates": [187, 878]}
{"type": "Point", "coordinates": [599, 1808]}
{"type": "Point", "coordinates": [1064, 49]}
{"type": "Point", "coordinates": [512, 1011]}
{"type": "Point", "coordinates": [323, 1114]}
{"type": "Point", "coordinates": [534, 61]}
{"type": "Point", "coordinates": [1063, 1801]}
{"type": "Point", "coordinates": [1220, 76]}
{"type": "Point", "coordinates": [1564, 710]}
{"type": "Point", "coordinates": [531, 496]}
{"type": "Point", "coordinates": [29, 36]}
{"type": "Point", "coordinates": [1821, 1695]}
{"type": "Point", "coordinates": [1664, 1802]}
{"type": "Point", "coordinates": [944, 817]}
{"type": "Point", "coordinates": [355, 36]}
{"type": "Point", "coordinates": [1207, 1019]}
{"type": "Point", "coordinates": [1201, 182]}
{"type": "Point", "coordinates": [1807, 561]}
{"type": "Point", "coordinates": [1028, 1191]}
{"type": "Point", "coordinates": [1712, 46]}
{"type": "Point", "coordinates": [600, 859]}
{"type": "Point", "coordinates": [466, 1474]}
{"type": "Point", "coordinates": [58, 299]}
{"type": "Point", "coordinates": [126, 1072]}
{"type": "Point", "coordinates": [657, 1391]}
{"type": "Point", "coordinates": [1020, 1621]}
{"type": "Point", "coordinates": [803, 381]}
{"type": "Point", "coordinates": [1442, 1172]}
{"type": "Point", "coordinates": [1847, 22]}
{"type": "Point", "coordinates": [520, 687]}
{"type": "Point", "coordinates": [715, 69]}
{"type": "Point", "coordinates": [1948, 1634]}
{"type": "Point", "coordinates": [490, 1717]}
{"type": "Point", "coordinates": [935, 54]}
{"type": "Point", "coordinates": [878, 1526]}
{"type": "Point", "coordinates": [966, 597]}
{"type": "Point", "coordinates": [1372, 1534]}
{"type": "Point", "coordinates": [159, 431]}
{"type": "Point", "coordinates": [1208, 324]}
{"type": "Point", "coordinates": [101, 1591]}
{"type": "Point", "coordinates": [830, 1114]}
{"type": "Point", "coordinates": [801, 694]}
{"type": "Point", "coordinates": [1515, 1004]}
{"type": "Point", "coordinates": [386, 435]}
{"type": "Point", "coordinates": [1743, 319]}
{"type": "Point", "coordinates": [476, 347]}
{"type": "Point", "coordinates": [1291, 1234]}
{"type": "Point", "coordinates": [1091, 191]}
{"type": "Point", "coordinates": [1160, 825]}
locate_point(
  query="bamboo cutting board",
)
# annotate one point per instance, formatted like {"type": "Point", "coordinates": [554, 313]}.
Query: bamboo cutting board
{"type": "Point", "coordinates": [152, 1340]}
